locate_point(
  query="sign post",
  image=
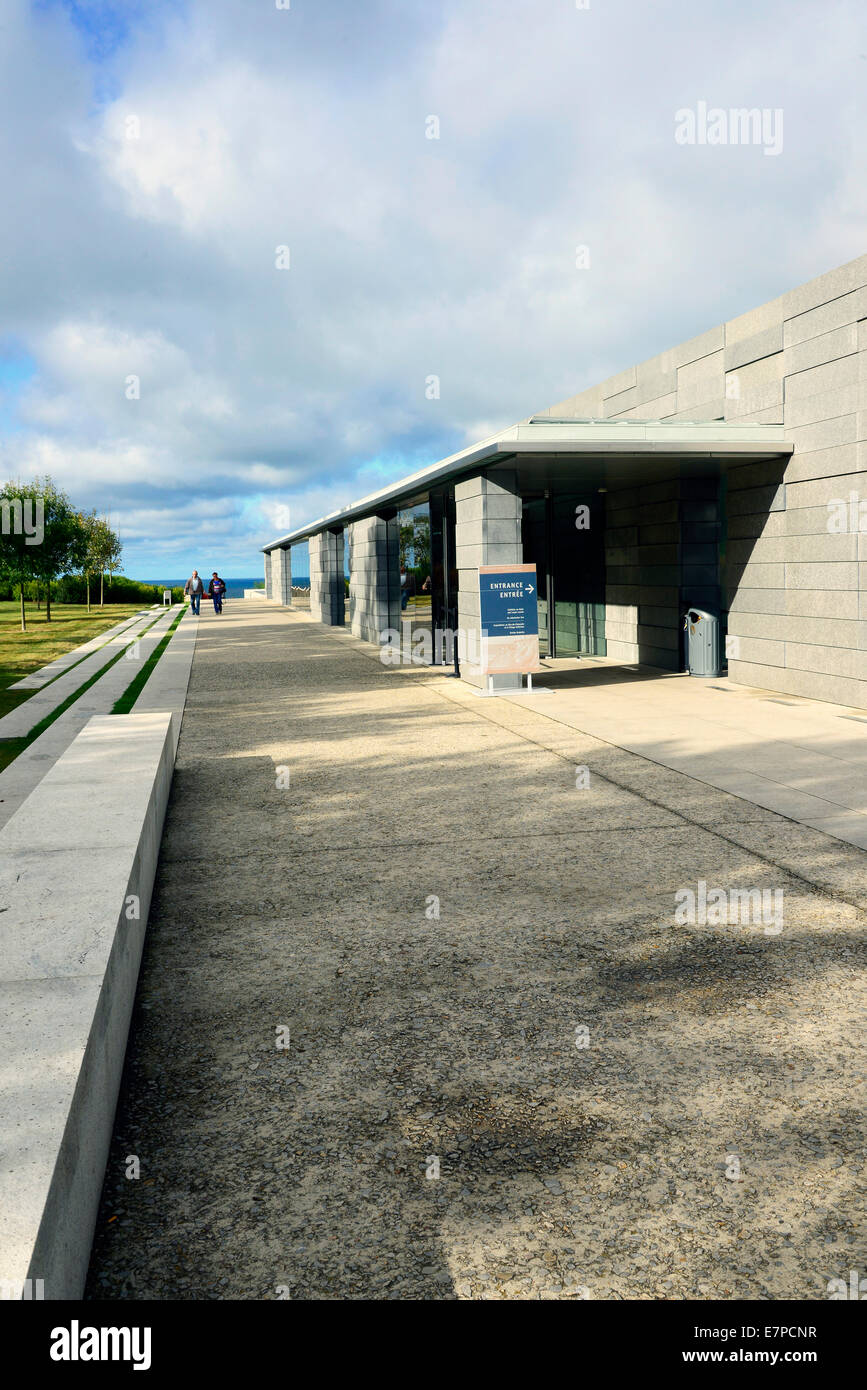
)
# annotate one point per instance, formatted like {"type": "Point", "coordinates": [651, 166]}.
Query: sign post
{"type": "Point", "coordinates": [508, 604]}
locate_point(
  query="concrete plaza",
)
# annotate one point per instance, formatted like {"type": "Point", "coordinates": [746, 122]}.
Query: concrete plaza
{"type": "Point", "coordinates": [806, 759]}
{"type": "Point", "coordinates": [395, 934]}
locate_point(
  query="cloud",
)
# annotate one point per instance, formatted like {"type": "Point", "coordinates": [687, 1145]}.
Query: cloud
{"type": "Point", "coordinates": [157, 157]}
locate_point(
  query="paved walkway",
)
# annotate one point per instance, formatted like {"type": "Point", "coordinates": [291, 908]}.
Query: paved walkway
{"type": "Point", "coordinates": [806, 759]}
{"type": "Point", "coordinates": [707, 1142]}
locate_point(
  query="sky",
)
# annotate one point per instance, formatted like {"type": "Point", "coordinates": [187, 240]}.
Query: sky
{"type": "Point", "coordinates": [238, 241]}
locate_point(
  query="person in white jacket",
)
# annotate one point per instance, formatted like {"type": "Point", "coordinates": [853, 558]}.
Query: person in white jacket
{"type": "Point", "coordinates": [195, 588]}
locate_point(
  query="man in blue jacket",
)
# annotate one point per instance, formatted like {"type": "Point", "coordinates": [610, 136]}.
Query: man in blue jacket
{"type": "Point", "coordinates": [216, 589]}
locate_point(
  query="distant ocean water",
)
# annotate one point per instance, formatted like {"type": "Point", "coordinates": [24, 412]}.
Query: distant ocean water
{"type": "Point", "coordinates": [234, 587]}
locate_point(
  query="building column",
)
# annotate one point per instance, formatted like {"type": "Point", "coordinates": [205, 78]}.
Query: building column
{"type": "Point", "coordinates": [281, 577]}
{"type": "Point", "coordinates": [268, 574]}
{"type": "Point", "coordinates": [487, 532]}
{"type": "Point", "coordinates": [374, 577]}
{"type": "Point", "coordinates": [327, 587]}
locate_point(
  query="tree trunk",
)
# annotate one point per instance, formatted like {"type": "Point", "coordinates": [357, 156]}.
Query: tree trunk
{"type": "Point", "coordinates": [23, 614]}
{"type": "Point", "coordinates": [48, 602]}
{"type": "Point", "coordinates": [101, 578]}
{"type": "Point", "coordinates": [38, 599]}
{"type": "Point", "coordinates": [87, 578]}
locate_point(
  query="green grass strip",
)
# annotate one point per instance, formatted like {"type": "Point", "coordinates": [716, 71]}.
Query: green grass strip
{"type": "Point", "coordinates": [137, 684]}
{"type": "Point", "coordinates": [16, 746]}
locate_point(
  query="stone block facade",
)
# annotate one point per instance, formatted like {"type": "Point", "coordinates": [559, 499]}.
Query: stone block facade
{"type": "Point", "coordinates": [795, 534]}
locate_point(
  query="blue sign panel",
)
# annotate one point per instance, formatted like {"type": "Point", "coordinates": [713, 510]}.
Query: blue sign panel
{"type": "Point", "coordinates": [509, 602]}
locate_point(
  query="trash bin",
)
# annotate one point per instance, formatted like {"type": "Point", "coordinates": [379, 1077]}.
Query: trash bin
{"type": "Point", "coordinates": [702, 642]}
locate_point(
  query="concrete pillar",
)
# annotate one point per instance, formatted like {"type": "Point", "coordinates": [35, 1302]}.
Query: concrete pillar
{"type": "Point", "coordinates": [487, 532]}
{"type": "Point", "coordinates": [281, 577]}
{"type": "Point", "coordinates": [327, 587]}
{"type": "Point", "coordinates": [268, 592]}
{"type": "Point", "coordinates": [374, 577]}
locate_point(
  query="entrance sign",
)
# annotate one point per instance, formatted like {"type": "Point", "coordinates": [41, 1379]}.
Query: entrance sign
{"type": "Point", "coordinates": [508, 604]}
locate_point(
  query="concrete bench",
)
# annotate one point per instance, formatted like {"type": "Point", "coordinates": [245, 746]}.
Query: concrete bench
{"type": "Point", "coordinates": [78, 862]}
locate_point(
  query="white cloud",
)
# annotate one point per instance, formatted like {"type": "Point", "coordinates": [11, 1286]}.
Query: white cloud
{"type": "Point", "coordinates": [264, 389]}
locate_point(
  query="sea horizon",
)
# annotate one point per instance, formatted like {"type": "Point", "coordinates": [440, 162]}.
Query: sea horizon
{"type": "Point", "coordinates": [234, 586]}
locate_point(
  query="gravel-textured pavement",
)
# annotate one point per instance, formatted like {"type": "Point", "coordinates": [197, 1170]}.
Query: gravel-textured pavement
{"type": "Point", "coordinates": [619, 1105]}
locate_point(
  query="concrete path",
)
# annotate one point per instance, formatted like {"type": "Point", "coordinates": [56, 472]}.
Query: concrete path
{"type": "Point", "coordinates": [806, 759]}
{"type": "Point", "coordinates": [394, 934]}
{"type": "Point", "coordinates": [166, 687]}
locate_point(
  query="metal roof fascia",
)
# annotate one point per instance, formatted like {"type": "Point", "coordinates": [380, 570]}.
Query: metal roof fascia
{"type": "Point", "coordinates": [632, 447]}
{"type": "Point", "coordinates": [509, 443]}
{"type": "Point", "coordinates": [367, 506]}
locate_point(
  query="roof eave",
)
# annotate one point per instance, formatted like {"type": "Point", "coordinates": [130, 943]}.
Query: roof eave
{"type": "Point", "coordinates": [699, 439]}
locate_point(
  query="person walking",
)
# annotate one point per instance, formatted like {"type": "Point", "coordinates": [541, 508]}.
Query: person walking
{"type": "Point", "coordinates": [195, 588]}
{"type": "Point", "coordinates": [216, 589]}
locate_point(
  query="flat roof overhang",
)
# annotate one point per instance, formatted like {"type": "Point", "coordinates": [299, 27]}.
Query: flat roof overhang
{"type": "Point", "coordinates": [604, 451]}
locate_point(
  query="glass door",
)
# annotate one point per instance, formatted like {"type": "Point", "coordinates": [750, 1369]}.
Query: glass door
{"type": "Point", "coordinates": [578, 526]}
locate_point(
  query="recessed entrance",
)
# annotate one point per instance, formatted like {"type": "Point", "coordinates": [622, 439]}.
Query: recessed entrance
{"type": "Point", "coordinates": [563, 535]}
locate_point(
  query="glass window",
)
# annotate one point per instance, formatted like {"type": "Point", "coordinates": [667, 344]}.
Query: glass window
{"type": "Point", "coordinates": [415, 562]}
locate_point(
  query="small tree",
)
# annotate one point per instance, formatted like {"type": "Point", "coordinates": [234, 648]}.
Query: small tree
{"type": "Point", "coordinates": [102, 550]}
{"type": "Point", "coordinates": [108, 550]}
{"type": "Point", "coordinates": [63, 541]}
{"type": "Point", "coordinates": [90, 550]}
{"type": "Point", "coordinates": [115, 550]}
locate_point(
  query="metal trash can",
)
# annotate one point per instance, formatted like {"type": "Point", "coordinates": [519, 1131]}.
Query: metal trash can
{"type": "Point", "coordinates": [703, 656]}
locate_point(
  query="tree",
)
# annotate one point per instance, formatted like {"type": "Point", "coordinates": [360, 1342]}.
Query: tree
{"type": "Point", "coordinates": [21, 534]}
{"type": "Point", "coordinates": [63, 542]}
{"type": "Point", "coordinates": [414, 540]}
{"type": "Point", "coordinates": [113, 556]}
{"type": "Point", "coordinates": [106, 551]}
{"type": "Point", "coordinates": [90, 549]}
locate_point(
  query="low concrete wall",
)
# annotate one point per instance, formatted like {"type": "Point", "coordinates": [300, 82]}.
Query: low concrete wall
{"type": "Point", "coordinates": [78, 863]}
{"type": "Point", "coordinates": [255, 593]}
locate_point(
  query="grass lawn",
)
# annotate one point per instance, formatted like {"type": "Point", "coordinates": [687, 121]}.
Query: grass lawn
{"type": "Point", "coordinates": [23, 652]}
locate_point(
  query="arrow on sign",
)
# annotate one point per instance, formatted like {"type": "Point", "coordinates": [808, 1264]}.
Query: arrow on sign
{"type": "Point", "coordinates": [530, 589]}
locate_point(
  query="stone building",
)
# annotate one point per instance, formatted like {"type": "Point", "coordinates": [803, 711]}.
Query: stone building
{"type": "Point", "coordinates": [728, 473]}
